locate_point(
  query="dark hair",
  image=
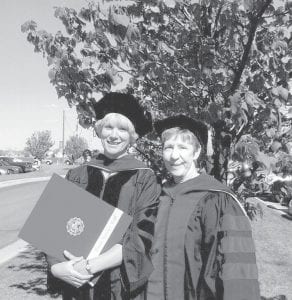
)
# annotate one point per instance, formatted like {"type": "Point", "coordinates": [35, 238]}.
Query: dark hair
{"type": "Point", "coordinates": [198, 128]}
{"type": "Point", "coordinates": [86, 152]}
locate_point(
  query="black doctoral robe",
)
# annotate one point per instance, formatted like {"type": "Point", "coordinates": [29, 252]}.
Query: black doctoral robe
{"type": "Point", "coordinates": [133, 188]}
{"type": "Point", "coordinates": [203, 247]}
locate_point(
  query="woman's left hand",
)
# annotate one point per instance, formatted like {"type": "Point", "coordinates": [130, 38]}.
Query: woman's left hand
{"type": "Point", "coordinates": [66, 272]}
{"type": "Point", "coordinates": [79, 266]}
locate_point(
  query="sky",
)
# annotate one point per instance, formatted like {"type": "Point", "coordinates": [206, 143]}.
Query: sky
{"type": "Point", "coordinates": [28, 102]}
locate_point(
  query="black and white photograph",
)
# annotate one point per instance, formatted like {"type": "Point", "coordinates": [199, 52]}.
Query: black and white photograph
{"type": "Point", "coordinates": [146, 150]}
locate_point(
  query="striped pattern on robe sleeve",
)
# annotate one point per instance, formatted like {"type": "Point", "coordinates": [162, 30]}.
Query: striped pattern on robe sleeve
{"type": "Point", "coordinates": [238, 269]}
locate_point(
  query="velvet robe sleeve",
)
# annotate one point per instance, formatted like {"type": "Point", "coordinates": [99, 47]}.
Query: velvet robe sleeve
{"type": "Point", "coordinates": [230, 262]}
{"type": "Point", "coordinates": [137, 242]}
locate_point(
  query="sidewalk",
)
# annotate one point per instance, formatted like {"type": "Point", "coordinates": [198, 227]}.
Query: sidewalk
{"type": "Point", "coordinates": [12, 250]}
{"type": "Point", "coordinates": [23, 269]}
{"type": "Point", "coordinates": [22, 181]}
{"type": "Point", "coordinates": [24, 277]}
{"type": "Point", "coordinates": [22, 273]}
{"type": "Point", "coordinates": [282, 210]}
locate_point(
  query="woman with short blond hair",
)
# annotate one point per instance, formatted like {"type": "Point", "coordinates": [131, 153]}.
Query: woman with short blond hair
{"type": "Point", "coordinates": [124, 182]}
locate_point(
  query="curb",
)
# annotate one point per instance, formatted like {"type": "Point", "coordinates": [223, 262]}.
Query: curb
{"type": "Point", "coordinates": [24, 180]}
{"type": "Point", "coordinates": [12, 250]}
{"type": "Point", "coordinates": [277, 207]}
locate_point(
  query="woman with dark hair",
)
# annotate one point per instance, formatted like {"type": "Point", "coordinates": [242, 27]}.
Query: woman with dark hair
{"type": "Point", "coordinates": [126, 183]}
{"type": "Point", "coordinates": [203, 247]}
{"type": "Point", "coordinates": [86, 154]}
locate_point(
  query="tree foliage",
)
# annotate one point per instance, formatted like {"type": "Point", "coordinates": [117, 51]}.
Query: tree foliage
{"type": "Point", "coordinates": [224, 61]}
{"type": "Point", "coordinates": [75, 146]}
{"type": "Point", "coordinates": [39, 144]}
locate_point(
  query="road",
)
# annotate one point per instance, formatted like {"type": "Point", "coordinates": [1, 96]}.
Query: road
{"type": "Point", "coordinates": [24, 276]}
{"type": "Point", "coordinates": [16, 203]}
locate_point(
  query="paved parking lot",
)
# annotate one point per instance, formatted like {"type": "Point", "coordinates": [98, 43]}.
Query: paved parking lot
{"type": "Point", "coordinates": [45, 170]}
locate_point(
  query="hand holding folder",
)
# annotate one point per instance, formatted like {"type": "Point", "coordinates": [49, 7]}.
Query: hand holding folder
{"type": "Point", "coordinates": [80, 267]}
{"type": "Point", "coordinates": [66, 272]}
{"type": "Point", "coordinates": [66, 217]}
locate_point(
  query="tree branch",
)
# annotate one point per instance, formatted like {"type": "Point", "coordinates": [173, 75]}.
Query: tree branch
{"type": "Point", "coordinates": [178, 21]}
{"type": "Point", "coordinates": [181, 66]}
{"type": "Point", "coordinates": [179, 79]}
{"type": "Point", "coordinates": [217, 18]}
{"type": "Point", "coordinates": [149, 81]}
{"type": "Point", "coordinates": [187, 14]}
{"type": "Point", "coordinates": [279, 14]}
{"type": "Point", "coordinates": [242, 63]}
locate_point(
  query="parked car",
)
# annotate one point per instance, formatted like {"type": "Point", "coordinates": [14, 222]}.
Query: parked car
{"type": "Point", "coordinates": [290, 207]}
{"type": "Point", "coordinates": [68, 161]}
{"type": "Point", "coordinates": [4, 171]}
{"type": "Point", "coordinates": [26, 166]}
{"type": "Point", "coordinates": [12, 169]}
{"type": "Point", "coordinates": [48, 161]}
{"type": "Point", "coordinates": [36, 164]}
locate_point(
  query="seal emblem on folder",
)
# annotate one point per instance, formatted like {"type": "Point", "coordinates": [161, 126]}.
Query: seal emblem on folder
{"type": "Point", "coordinates": [75, 226]}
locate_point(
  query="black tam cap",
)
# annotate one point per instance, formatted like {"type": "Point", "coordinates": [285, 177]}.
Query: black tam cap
{"type": "Point", "coordinates": [198, 128]}
{"type": "Point", "coordinates": [127, 105]}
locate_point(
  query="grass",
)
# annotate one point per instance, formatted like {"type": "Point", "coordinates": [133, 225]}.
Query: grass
{"type": "Point", "coordinates": [273, 239]}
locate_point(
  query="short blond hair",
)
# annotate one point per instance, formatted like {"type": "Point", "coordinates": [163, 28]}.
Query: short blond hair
{"type": "Point", "coordinates": [119, 119]}
{"type": "Point", "coordinates": [185, 134]}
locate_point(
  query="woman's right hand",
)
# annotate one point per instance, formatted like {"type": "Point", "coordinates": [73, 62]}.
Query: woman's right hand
{"type": "Point", "coordinates": [65, 271]}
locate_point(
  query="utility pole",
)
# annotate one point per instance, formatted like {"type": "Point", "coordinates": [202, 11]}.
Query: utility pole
{"type": "Point", "coordinates": [76, 130]}
{"type": "Point", "coordinates": [63, 138]}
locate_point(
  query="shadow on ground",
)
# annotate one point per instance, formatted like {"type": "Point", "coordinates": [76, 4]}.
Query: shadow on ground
{"type": "Point", "coordinates": [31, 273]}
{"type": "Point", "coordinates": [280, 297]}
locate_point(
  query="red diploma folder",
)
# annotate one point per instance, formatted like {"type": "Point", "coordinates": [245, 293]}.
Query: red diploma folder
{"type": "Point", "coordinates": [66, 217]}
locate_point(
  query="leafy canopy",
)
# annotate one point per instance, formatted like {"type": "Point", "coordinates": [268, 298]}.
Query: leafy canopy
{"type": "Point", "coordinates": [39, 144]}
{"type": "Point", "coordinates": [75, 146]}
{"type": "Point", "coordinates": [224, 61]}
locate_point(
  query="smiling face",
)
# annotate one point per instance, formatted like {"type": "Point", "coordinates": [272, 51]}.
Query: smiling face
{"type": "Point", "coordinates": [179, 154]}
{"type": "Point", "coordinates": [116, 134]}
